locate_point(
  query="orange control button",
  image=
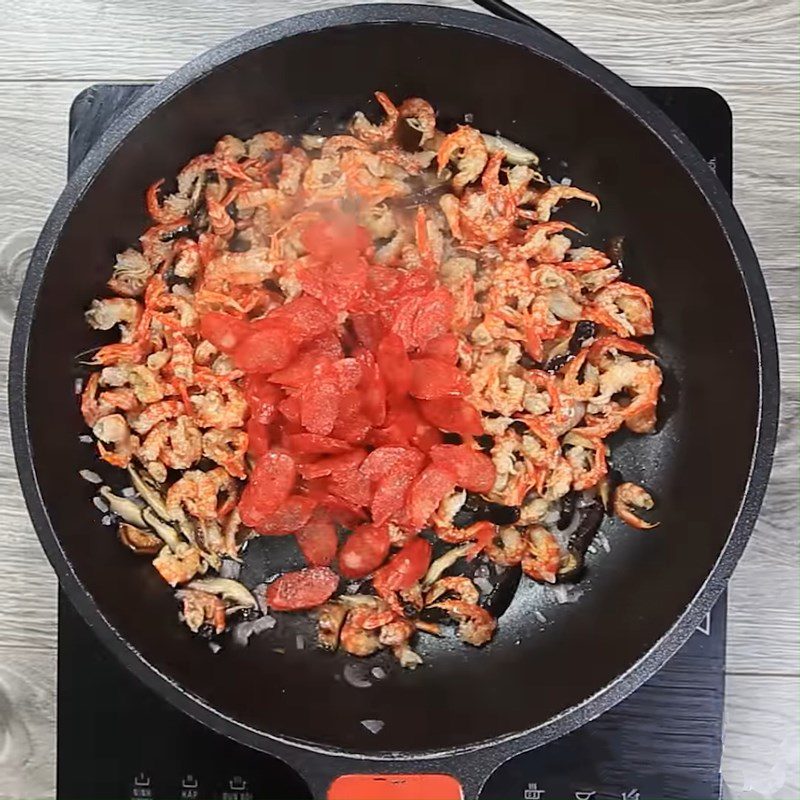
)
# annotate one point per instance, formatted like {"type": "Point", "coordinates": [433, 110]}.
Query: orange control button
{"type": "Point", "coordinates": [395, 787]}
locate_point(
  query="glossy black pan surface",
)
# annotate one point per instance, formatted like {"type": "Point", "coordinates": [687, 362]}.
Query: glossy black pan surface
{"type": "Point", "coordinates": [707, 465]}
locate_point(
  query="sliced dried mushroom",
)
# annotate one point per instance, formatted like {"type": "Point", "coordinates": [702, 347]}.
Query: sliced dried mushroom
{"type": "Point", "coordinates": [148, 493]}
{"type": "Point", "coordinates": [167, 533]}
{"type": "Point", "coordinates": [123, 507]}
{"type": "Point", "coordinates": [514, 153]}
{"type": "Point", "coordinates": [141, 542]}
{"type": "Point", "coordinates": [231, 591]}
{"type": "Point", "coordinates": [444, 562]}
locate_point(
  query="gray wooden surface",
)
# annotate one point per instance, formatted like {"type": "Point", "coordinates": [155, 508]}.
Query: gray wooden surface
{"type": "Point", "coordinates": [745, 49]}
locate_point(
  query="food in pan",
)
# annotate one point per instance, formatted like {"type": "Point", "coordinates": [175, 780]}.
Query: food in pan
{"type": "Point", "coordinates": [382, 343]}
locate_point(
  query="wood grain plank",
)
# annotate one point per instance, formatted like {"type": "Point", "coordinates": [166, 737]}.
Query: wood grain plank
{"type": "Point", "coordinates": [761, 749]}
{"type": "Point", "coordinates": [27, 722]}
{"type": "Point", "coordinates": [643, 39]}
{"type": "Point", "coordinates": [747, 49]}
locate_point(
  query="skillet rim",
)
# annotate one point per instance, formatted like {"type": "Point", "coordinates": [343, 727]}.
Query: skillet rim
{"type": "Point", "coordinates": [544, 45]}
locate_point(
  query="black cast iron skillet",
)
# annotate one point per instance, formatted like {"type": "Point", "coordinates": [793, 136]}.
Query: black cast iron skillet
{"type": "Point", "coordinates": [466, 710]}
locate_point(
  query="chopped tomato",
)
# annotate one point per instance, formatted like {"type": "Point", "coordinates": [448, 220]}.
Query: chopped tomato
{"type": "Point", "coordinates": [290, 517]}
{"type": "Point", "coordinates": [305, 317]}
{"type": "Point", "coordinates": [317, 539]}
{"type": "Point", "coordinates": [427, 491]}
{"type": "Point", "coordinates": [262, 398]}
{"type": "Point", "coordinates": [406, 426]}
{"type": "Point", "coordinates": [352, 425]}
{"type": "Point", "coordinates": [344, 462]}
{"type": "Point", "coordinates": [266, 350]}
{"type": "Point", "coordinates": [270, 484]}
{"type": "Point", "coordinates": [474, 471]}
{"type": "Point", "coordinates": [391, 470]}
{"type": "Point", "coordinates": [327, 344]}
{"type": "Point", "coordinates": [348, 373]}
{"type": "Point", "coordinates": [364, 551]}
{"type": "Point", "coordinates": [338, 283]}
{"type": "Point", "coordinates": [369, 330]}
{"type": "Point", "coordinates": [314, 443]}
{"type": "Point", "coordinates": [319, 401]}
{"type": "Point", "coordinates": [372, 389]}
{"type": "Point", "coordinates": [418, 318]}
{"type": "Point", "coordinates": [394, 364]}
{"type": "Point", "coordinates": [299, 372]}
{"type": "Point", "coordinates": [452, 414]}
{"type": "Point", "coordinates": [383, 460]}
{"type": "Point", "coordinates": [224, 331]}
{"type": "Point", "coordinates": [436, 317]}
{"type": "Point", "coordinates": [307, 588]}
{"type": "Point", "coordinates": [443, 348]}
{"type": "Point", "coordinates": [351, 486]}
{"type": "Point", "coordinates": [327, 238]}
{"type": "Point", "coordinates": [432, 379]}
{"type": "Point", "coordinates": [290, 408]}
{"type": "Point", "coordinates": [402, 319]}
{"type": "Point", "coordinates": [426, 436]}
{"type": "Point", "coordinates": [257, 438]}
{"type": "Point", "coordinates": [390, 493]}
{"type": "Point", "coordinates": [404, 568]}
{"type": "Point", "coordinates": [341, 511]}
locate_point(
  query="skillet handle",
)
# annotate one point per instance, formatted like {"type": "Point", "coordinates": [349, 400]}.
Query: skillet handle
{"type": "Point", "coordinates": [503, 10]}
{"type": "Point", "coordinates": [429, 786]}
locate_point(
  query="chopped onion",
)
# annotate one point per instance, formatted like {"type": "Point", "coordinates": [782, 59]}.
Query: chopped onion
{"type": "Point", "coordinates": [379, 673]}
{"type": "Point", "coordinates": [483, 584]}
{"type": "Point", "coordinates": [299, 642]}
{"type": "Point", "coordinates": [541, 617]}
{"type": "Point", "coordinates": [355, 675]}
{"type": "Point", "coordinates": [242, 632]}
{"type": "Point", "coordinates": [482, 571]}
{"type": "Point", "coordinates": [128, 491]}
{"type": "Point", "coordinates": [100, 504]}
{"type": "Point", "coordinates": [373, 725]}
{"type": "Point", "coordinates": [106, 519]}
{"type": "Point", "coordinates": [214, 647]}
{"type": "Point", "coordinates": [85, 438]}
{"type": "Point", "coordinates": [566, 594]}
{"type": "Point", "coordinates": [230, 568]}
{"type": "Point", "coordinates": [90, 475]}
{"type": "Point", "coordinates": [260, 593]}
{"type": "Point", "coordinates": [78, 385]}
